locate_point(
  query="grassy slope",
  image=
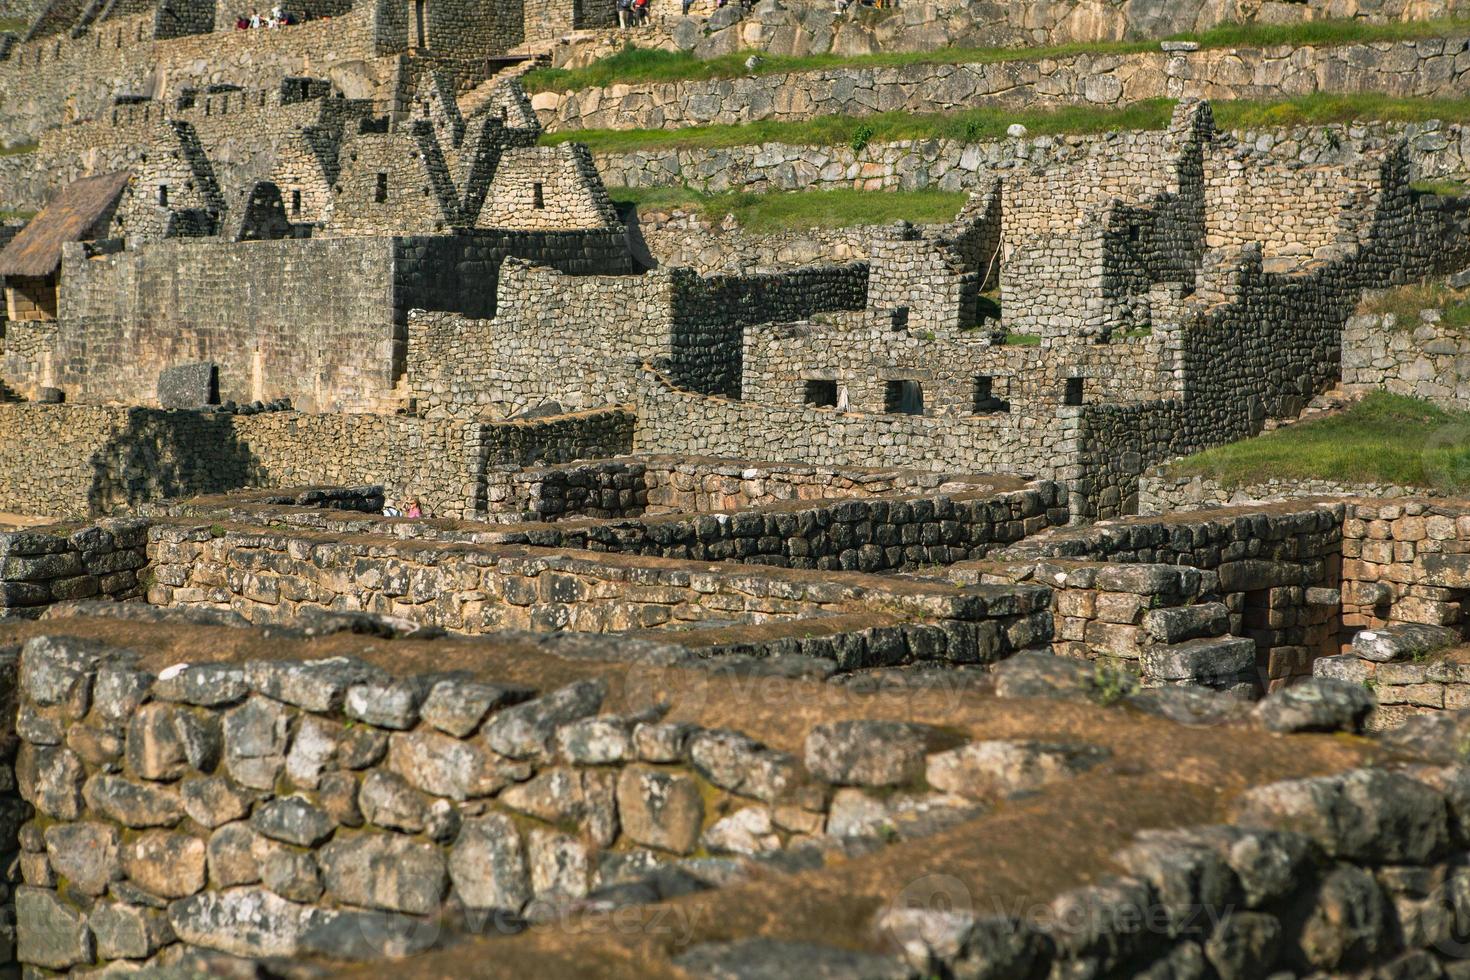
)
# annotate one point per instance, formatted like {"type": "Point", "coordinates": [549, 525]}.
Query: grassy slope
{"type": "Point", "coordinates": [1405, 302]}
{"type": "Point", "coordinates": [650, 65]}
{"type": "Point", "coordinates": [803, 209]}
{"type": "Point", "coordinates": [1383, 439]}
{"type": "Point", "coordinates": [983, 124]}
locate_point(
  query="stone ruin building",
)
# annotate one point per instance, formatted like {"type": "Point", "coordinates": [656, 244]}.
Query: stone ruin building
{"type": "Point", "coordinates": [797, 605]}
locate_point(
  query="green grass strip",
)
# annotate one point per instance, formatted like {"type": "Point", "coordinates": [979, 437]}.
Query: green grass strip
{"type": "Point", "coordinates": [975, 125]}
{"type": "Point", "coordinates": [1382, 439]}
{"type": "Point", "coordinates": [802, 209]}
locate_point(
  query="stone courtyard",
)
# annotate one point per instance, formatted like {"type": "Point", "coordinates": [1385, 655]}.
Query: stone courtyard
{"type": "Point", "coordinates": [425, 548]}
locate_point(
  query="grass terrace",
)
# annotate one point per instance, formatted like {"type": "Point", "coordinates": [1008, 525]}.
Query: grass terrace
{"type": "Point", "coordinates": [16, 149]}
{"type": "Point", "coordinates": [976, 125]}
{"type": "Point", "coordinates": [801, 209]}
{"type": "Point", "coordinates": [633, 64]}
{"type": "Point", "coordinates": [1382, 439]}
{"type": "Point", "coordinates": [1405, 302]}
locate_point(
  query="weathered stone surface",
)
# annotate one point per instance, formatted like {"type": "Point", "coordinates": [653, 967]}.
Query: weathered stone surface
{"type": "Point", "coordinates": [213, 801]}
{"type": "Point", "coordinates": [257, 736]}
{"type": "Point", "coordinates": [353, 934]}
{"type": "Point", "coordinates": [386, 704]}
{"type": "Point", "coordinates": [663, 741]}
{"type": "Point", "coordinates": [488, 864]}
{"type": "Point", "coordinates": [128, 932]}
{"type": "Point", "coordinates": [57, 670]}
{"type": "Point", "coordinates": [1004, 768]}
{"type": "Point", "coordinates": [868, 753]}
{"type": "Point", "coordinates": [313, 750]}
{"type": "Point", "coordinates": [241, 921]}
{"type": "Point", "coordinates": [154, 748]}
{"type": "Point", "coordinates": [206, 685]}
{"type": "Point", "coordinates": [293, 820]}
{"type": "Point", "coordinates": [595, 741]}
{"type": "Point", "coordinates": [969, 946]}
{"type": "Point", "coordinates": [1320, 704]}
{"type": "Point", "coordinates": [1402, 641]}
{"type": "Point", "coordinates": [735, 762]}
{"type": "Point", "coordinates": [446, 766]}
{"type": "Point", "coordinates": [749, 830]}
{"type": "Point", "coordinates": [1244, 945]}
{"type": "Point", "coordinates": [291, 874]}
{"type": "Point", "coordinates": [581, 796]}
{"type": "Point", "coordinates": [525, 730]}
{"type": "Point", "coordinates": [85, 854]}
{"type": "Point", "coordinates": [769, 959]}
{"type": "Point", "coordinates": [458, 707]}
{"type": "Point", "coordinates": [117, 692]}
{"type": "Point", "coordinates": [316, 685]}
{"type": "Point", "coordinates": [233, 855]}
{"type": "Point", "coordinates": [1366, 815]}
{"type": "Point", "coordinates": [388, 801]}
{"type": "Point", "coordinates": [51, 933]}
{"type": "Point", "coordinates": [1340, 923]}
{"type": "Point", "coordinates": [560, 866]}
{"type": "Point", "coordinates": [1042, 675]}
{"type": "Point", "coordinates": [384, 871]}
{"type": "Point", "coordinates": [51, 780]}
{"type": "Point", "coordinates": [188, 385]}
{"type": "Point", "coordinates": [337, 793]}
{"type": "Point", "coordinates": [660, 809]}
{"type": "Point", "coordinates": [165, 864]}
{"type": "Point", "coordinates": [133, 804]}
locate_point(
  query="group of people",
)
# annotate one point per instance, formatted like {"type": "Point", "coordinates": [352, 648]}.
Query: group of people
{"type": "Point", "coordinates": [277, 18]}
{"type": "Point", "coordinates": [412, 507]}
{"type": "Point", "coordinates": [632, 13]}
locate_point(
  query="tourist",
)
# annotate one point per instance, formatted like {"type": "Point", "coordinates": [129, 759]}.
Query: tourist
{"type": "Point", "coordinates": [414, 509]}
{"type": "Point", "coordinates": [242, 23]}
{"type": "Point", "coordinates": [640, 11]}
{"type": "Point", "coordinates": [687, 4]}
{"type": "Point", "coordinates": [277, 18]}
{"type": "Point", "coordinates": [625, 8]}
{"type": "Point", "coordinates": [389, 510]}
{"type": "Point", "coordinates": [254, 19]}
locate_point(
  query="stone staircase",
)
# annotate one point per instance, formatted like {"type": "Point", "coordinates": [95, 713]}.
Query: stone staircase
{"type": "Point", "coordinates": [471, 99]}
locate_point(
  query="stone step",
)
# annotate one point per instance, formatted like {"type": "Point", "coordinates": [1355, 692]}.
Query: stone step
{"type": "Point", "coordinates": [1210, 661]}
{"type": "Point", "coordinates": [1404, 641]}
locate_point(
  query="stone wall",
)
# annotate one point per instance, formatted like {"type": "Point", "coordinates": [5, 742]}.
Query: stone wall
{"type": "Point", "coordinates": [481, 588]}
{"type": "Point", "coordinates": [861, 355]}
{"type": "Point", "coordinates": [1274, 576]}
{"type": "Point", "coordinates": [1434, 150]}
{"type": "Point", "coordinates": [686, 238]}
{"type": "Point", "coordinates": [1422, 357]}
{"type": "Point", "coordinates": [330, 808]}
{"type": "Point", "coordinates": [675, 420]}
{"type": "Point", "coordinates": [807, 27]}
{"type": "Point", "coordinates": [64, 460]}
{"type": "Point", "coordinates": [57, 564]}
{"type": "Point", "coordinates": [635, 485]}
{"type": "Point", "coordinates": [1162, 492]}
{"type": "Point", "coordinates": [871, 535]}
{"type": "Point", "coordinates": [577, 340]}
{"type": "Point", "coordinates": [319, 321]}
{"type": "Point", "coordinates": [1407, 68]}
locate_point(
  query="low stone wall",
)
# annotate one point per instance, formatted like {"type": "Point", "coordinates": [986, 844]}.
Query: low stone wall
{"type": "Point", "coordinates": [280, 809]}
{"type": "Point", "coordinates": [632, 486]}
{"type": "Point", "coordinates": [1159, 492]}
{"type": "Point", "coordinates": [1274, 574]}
{"type": "Point", "coordinates": [55, 564]}
{"type": "Point", "coordinates": [22, 185]}
{"type": "Point", "coordinates": [1425, 358]}
{"type": "Point", "coordinates": [868, 535]}
{"type": "Point", "coordinates": [1406, 561]}
{"type": "Point", "coordinates": [1434, 149]}
{"type": "Point", "coordinates": [1411, 669]}
{"type": "Point", "coordinates": [478, 589]}
{"type": "Point", "coordinates": [686, 238]}
{"type": "Point", "coordinates": [66, 461]}
{"type": "Point", "coordinates": [1408, 68]}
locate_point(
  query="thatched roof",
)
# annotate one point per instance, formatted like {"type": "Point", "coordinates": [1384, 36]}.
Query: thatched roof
{"type": "Point", "coordinates": [68, 217]}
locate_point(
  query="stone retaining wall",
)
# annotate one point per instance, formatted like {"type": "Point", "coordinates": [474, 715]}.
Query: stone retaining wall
{"type": "Point", "coordinates": [632, 486]}
{"type": "Point", "coordinates": [64, 460]}
{"type": "Point", "coordinates": [478, 589]}
{"type": "Point", "coordinates": [280, 809]}
{"type": "Point", "coordinates": [1425, 68]}
{"type": "Point", "coordinates": [1159, 492]}
{"type": "Point", "coordinates": [57, 564]}
{"type": "Point", "coordinates": [1423, 358]}
{"type": "Point", "coordinates": [1435, 150]}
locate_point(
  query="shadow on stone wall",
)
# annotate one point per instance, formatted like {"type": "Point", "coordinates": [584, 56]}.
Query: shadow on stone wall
{"type": "Point", "coordinates": [158, 454]}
